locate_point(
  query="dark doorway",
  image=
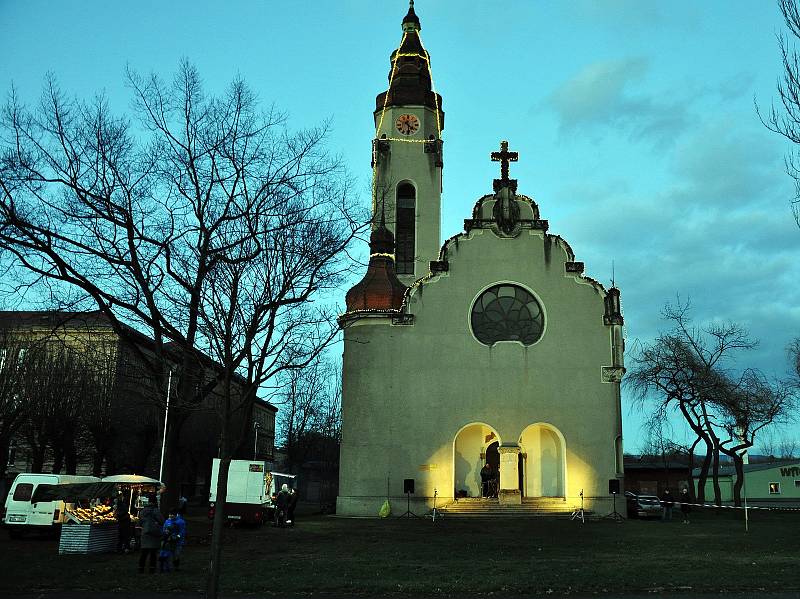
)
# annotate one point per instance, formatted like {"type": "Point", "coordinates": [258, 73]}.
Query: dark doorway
{"type": "Point", "coordinates": [521, 472]}
{"type": "Point", "coordinates": [493, 459]}
{"type": "Point", "coordinates": [493, 456]}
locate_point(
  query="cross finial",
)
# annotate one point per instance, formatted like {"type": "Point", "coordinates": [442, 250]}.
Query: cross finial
{"type": "Point", "coordinates": [504, 157]}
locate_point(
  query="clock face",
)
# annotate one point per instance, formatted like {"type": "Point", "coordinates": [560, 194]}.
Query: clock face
{"type": "Point", "coordinates": [407, 124]}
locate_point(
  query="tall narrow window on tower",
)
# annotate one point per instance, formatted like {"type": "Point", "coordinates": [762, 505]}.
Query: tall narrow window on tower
{"type": "Point", "coordinates": [404, 229]}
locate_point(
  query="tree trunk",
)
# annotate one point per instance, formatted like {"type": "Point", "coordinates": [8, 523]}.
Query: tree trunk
{"type": "Point", "coordinates": [715, 478]}
{"type": "Point", "coordinates": [215, 561]}
{"type": "Point", "coordinates": [703, 477]}
{"type": "Point", "coordinates": [738, 464]}
{"type": "Point", "coordinates": [737, 486]}
{"type": "Point", "coordinates": [71, 460]}
{"type": "Point", "coordinates": [172, 472]}
{"type": "Point", "coordinates": [37, 458]}
{"type": "Point", "coordinates": [690, 479]}
{"type": "Point", "coordinates": [5, 448]}
{"type": "Point", "coordinates": [97, 463]}
{"type": "Point", "coordinates": [58, 459]}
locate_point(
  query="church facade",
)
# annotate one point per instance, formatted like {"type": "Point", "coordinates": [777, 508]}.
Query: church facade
{"type": "Point", "coordinates": [493, 348]}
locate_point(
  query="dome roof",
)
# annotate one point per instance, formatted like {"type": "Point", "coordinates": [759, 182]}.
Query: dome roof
{"type": "Point", "coordinates": [380, 289]}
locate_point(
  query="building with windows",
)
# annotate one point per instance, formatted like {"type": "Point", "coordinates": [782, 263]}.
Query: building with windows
{"type": "Point", "coordinates": [493, 348]}
{"type": "Point", "coordinates": [83, 377]}
{"type": "Point", "coordinates": [766, 483]}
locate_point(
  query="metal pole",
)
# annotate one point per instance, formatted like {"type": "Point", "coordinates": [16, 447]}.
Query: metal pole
{"type": "Point", "coordinates": [745, 461]}
{"type": "Point", "coordinates": [166, 418]}
{"type": "Point", "coordinates": [255, 446]}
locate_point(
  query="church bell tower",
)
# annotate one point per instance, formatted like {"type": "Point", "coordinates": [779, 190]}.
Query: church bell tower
{"type": "Point", "coordinates": [407, 156]}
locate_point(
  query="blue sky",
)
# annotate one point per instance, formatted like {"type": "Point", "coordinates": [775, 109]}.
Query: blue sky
{"type": "Point", "coordinates": [634, 121]}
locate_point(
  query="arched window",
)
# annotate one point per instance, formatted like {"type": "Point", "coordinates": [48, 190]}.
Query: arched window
{"type": "Point", "coordinates": [404, 229]}
{"type": "Point", "coordinates": [507, 313]}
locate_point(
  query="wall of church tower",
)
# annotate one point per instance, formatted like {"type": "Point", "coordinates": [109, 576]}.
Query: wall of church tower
{"type": "Point", "coordinates": [408, 161]}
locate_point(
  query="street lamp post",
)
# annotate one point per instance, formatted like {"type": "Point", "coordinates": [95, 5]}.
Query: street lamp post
{"type": "Point", "coordinates": [166, 418]}
{"type": "Point", "coordinates": [256, 426]}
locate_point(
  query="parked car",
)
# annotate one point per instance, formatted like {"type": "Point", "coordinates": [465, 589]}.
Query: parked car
{"type": "Point", "coordinates": [23, 516]}
{"type": "Point", "coordinates": [642, 506]}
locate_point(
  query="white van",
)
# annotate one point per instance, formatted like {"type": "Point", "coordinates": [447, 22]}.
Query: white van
{"type": "Point", "coordinates": [251, 486]}
{"type": "Point", "coordinates": [22, 515]}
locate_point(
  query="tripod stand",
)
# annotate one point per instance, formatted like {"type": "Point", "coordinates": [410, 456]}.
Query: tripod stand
{"type": "Point", "coordinates": [435, 513]}
{"type": "Point", "coordinates": [408, 513]}
{"type": "Point", "coordinates": [615, 515]}
{"type": "Point", "coordinates": [579, 513]}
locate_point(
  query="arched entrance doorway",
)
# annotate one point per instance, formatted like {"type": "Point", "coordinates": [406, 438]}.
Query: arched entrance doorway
{"type": "Point", "coordinates": [543, 471]}
{"type": "Point", "coordinates": [473, 446]}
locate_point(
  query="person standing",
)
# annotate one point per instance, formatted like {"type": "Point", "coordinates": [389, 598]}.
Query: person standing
{"type": "Point", "coordinates": [123, 525]}
{"type": "Point", "coordinates": [169, 542]}
{"type": "Point", "coordinates": [176, 520]}
{"type": "Point", "coordinates": [667, 503]}
{"type": "Point", "coordinates": [281, 505]}
{"type": "Point", "coordinates": [486, 474]}
{"type": "Point", "coordinates": [151, 522]}
{"type": "Point", "coordinates": [495, 482]}
{"type": "Point", "coordinates": [686, 507]}
{"type": "Point", "coordinates": [182, 502]}
{"type": "Point", "coordinates": [292, 504]}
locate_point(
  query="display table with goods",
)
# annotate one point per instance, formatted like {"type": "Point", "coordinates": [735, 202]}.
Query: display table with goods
{"type": "Point", "coordinates": [100, 537]}
{"type": "Point", "coordinates": [88, 530]}
{"type": "Point", "coordinates": [95, 529]}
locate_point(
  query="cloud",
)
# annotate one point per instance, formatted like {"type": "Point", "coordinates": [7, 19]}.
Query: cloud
{"type": "Point", "coordinates": [721, 162]}
{"type": "Point", "coordinates": [600, 98]}
{"type": "Point", "coordinates": [734, 261]}
{"type": "Point", "coordinates": [597, 93]}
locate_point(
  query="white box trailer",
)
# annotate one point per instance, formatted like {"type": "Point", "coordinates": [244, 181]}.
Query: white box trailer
{"type": "Point", "coordinates": [251, 486]}
{"type": "Point", "coordinates": [22, 515]}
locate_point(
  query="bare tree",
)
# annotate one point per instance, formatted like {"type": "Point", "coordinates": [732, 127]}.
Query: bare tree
{"type": "Point", "coordinates": [99, 390]}
{"type": "Point", "coordinates": [785, 117]}
{"type": "Point", "coordinates": [214, 233]}
{"type": "Point", "coordinates": [688, 370]}
{"type": "Point", "coordinates": [307, 403]}
{"type": "Point", "coordinates": [13, 407]}
{"type": "Point", "coordinates": [751, 404]}
{"type": "Point", "coordinates": [52, 387]}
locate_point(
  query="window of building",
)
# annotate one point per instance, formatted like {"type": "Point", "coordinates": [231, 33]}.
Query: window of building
{"type": "Point", "coordinates": [405, 229]}
{"type": "Point", "coordinates": [507, 313]}
{"type": "Point", "coordinates": [774, 488]}
{"type": "Point", "coordinates": [797, 484]}
{"type": "Point", "coordinates": [23, 492]}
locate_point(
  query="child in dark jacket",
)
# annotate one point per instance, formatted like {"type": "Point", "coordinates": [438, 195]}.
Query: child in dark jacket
{"type": "Point", "coordinates": [169, 542]}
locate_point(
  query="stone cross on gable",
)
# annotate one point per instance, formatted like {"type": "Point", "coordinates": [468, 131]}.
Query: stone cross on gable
{"type": "Point", "coordinates": [504, 157]}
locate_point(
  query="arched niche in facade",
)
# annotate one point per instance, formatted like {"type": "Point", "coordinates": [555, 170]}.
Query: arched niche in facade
{"type": "Point", "coordinates": [469, 456]}
{"type": "Point", "coordinates": [544, 466]}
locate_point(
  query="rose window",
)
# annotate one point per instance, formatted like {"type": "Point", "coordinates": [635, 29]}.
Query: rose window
{"type": "Point", "coordinates": [507, 313]}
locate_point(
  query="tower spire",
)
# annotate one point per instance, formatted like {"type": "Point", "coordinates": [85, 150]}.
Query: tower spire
{"type": "Point", "coordinates": [411, 20]}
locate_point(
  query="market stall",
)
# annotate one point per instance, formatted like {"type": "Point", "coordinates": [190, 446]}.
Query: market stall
{"type": "Point", "coordinates": [89, 524]}
{"type": "Point", "coordinates": [133, 489]}
{"type": "Point", "coordinates": [91, 511]}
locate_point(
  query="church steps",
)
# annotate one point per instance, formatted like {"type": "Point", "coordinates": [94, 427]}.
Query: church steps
{"type": "Point", "coordinates": [553, 507]}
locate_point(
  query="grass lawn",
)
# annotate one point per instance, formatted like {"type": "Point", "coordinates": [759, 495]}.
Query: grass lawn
{"type": "Point", "coordinates": [453, 556]}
